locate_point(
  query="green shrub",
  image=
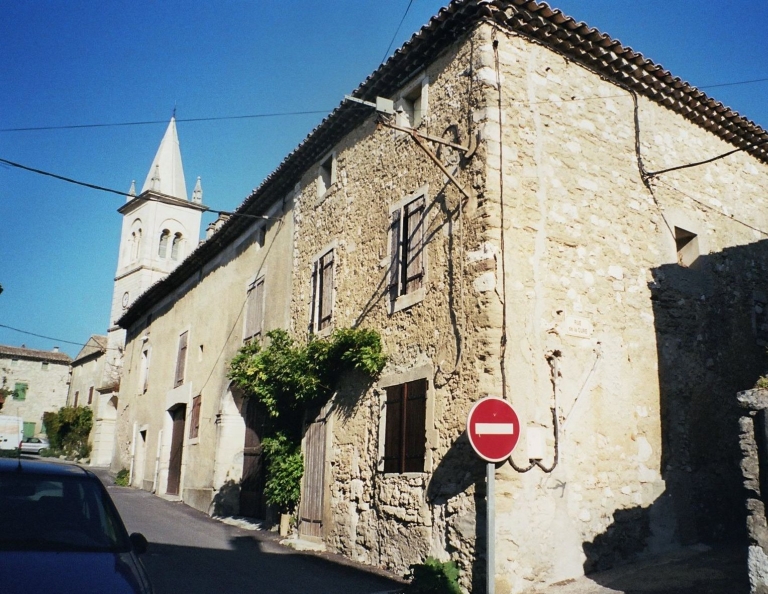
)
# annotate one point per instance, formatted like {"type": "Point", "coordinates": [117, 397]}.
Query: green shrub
{"type": "Point", "coordinates": [121, 480]}
{"type": "Point", "coordinates": [433, 577]}
{"type": "Point", "coordinates": [285, 467]}
{"type": "Point", "coordinates": [14, 453]}
{"type": "Point", "coordinates": [68, 430]}
{"type": "Point", "coordinates": [762, 382]}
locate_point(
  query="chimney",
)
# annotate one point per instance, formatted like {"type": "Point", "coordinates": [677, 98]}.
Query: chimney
{"type": "Point", "coordinates": [55, 349]}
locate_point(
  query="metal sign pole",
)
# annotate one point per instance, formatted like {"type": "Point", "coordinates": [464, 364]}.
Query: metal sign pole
{"type": "Point", "coordinates": [490, 516]}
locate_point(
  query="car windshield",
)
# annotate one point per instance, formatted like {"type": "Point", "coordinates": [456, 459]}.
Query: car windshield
{"type": "Point", "coordinates": [58, 513]}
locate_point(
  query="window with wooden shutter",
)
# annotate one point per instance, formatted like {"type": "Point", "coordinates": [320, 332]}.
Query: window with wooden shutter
{"type": "Point", "coordinates": [322, 292]}
{"type": "Point", "coordinates": [194, 421]}
{"type": "Point", "coordinates": [181, 360]}
{"type": "Point", "coordinates": [412, 265]}
{"type": "Point", "coordinates": [394, 256]}
{"type": "Point", "coordinates": [405, 427]}
{"type": "Point", "coordinates": [254, 314]}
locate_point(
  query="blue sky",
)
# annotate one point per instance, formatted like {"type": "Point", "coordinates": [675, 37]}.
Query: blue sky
{"type": "Point", "coordinates": [74, 62]}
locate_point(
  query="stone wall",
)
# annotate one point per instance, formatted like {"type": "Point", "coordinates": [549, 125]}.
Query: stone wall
{"type": "Point", "coordinates": [753, 440]}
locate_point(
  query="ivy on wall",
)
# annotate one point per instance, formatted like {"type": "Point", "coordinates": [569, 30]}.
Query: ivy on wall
{"type": "Point", "coordinates": [287, 379]}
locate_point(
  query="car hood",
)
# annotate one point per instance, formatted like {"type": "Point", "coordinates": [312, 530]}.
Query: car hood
{"type": "Point", "coordinates": [68, 572]}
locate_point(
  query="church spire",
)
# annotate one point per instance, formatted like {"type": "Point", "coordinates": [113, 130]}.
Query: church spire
{"type": "Point", "coordinates": [166, 175]}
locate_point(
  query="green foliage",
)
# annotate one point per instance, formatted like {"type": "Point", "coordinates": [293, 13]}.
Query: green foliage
{"type": "Point", "coordinates": [68, 430]}
{"type": "Point", "coordinates": [14, 453]}
{"type": "Point", "coordinates": [285, 468]}
{"type": "Point", "coordinates": [121, 480]}
{"type": "Point", "coordinates": [433, 577]}
{"type": "Point", "coordinates": [286, 379]}
{"type": "Point", "coordinates": [762, 382]}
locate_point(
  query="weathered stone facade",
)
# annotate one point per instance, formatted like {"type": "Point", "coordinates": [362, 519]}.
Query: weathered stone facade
{"type": "Point", "coordinates": [618, 306]}
{"type": "Point", "coordinates": [43, 377]}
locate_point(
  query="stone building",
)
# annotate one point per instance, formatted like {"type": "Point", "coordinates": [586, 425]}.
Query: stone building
{"type": "Point", "coordinates": [543, 215]}
{"type": "Point", "coordinates": [38, 381]}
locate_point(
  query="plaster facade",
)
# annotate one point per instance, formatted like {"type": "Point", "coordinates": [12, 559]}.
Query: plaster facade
{"type": "Point", "coordinates": [42, 378]}
{"type": "Point", "coordinates": [212, 307]}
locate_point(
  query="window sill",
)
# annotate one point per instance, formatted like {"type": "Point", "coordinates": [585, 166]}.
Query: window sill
{"type": "Point", "coordinates": [325, 332]}
{"type": "Point", "coordinates": [327, 194]}
{"type": "Point", "coordinates": [193, 441]}
{"type": "Point", "coordinates": [408, 300]}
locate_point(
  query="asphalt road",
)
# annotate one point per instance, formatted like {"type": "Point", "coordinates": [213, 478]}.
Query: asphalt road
{"type": "Point", "coordinates": [191, 553]}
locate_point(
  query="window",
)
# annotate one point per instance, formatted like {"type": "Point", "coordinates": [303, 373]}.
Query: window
{"type": "Point", "coordinates": [181, 360]}
{"type": "Point", "coordinates": [162, 249]}
{"type": "Point", "coordinates": [687, 244]}
{"type": "Point", "coordinates": [77, 396]}
{"type": "Point", "coordinates": [20, 391]}
{"type": "Point", "coordinates": [407, 249]}
{"type": "Point", "coordinates": [322, 292]}
{"type": "Point", "coordinates": [194, 421]}
{"type": "Point", "coordinates": [14, 362]}
{"type": "Point", "coordinates": [90, 395]}
{"type": "Point", "coordinates": [134, 242]}
{"type": "Point", "coordinates": [411, 107]}
{"type": "Point", "coordinates": [326, 175]}
{"type": "Point", "coordinates": [405, 431]}
{"type": "Point", "coordinates": [175, 246]}
{"type": "Point", "coordinates": [44, 366]}
{"type": "Point", "coordinates": [254, 311]}
{"type": "Point", "coordinates": [144, 376]}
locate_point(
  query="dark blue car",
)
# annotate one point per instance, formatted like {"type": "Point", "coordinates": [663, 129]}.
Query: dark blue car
{"type": "Point", "coordinates": [60, 532]}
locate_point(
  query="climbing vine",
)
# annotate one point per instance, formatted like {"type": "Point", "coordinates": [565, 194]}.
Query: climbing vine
{"type": "Point", "coordinates": [286, 379]}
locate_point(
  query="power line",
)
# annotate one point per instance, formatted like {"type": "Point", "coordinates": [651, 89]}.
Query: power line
{"type": "Point", "coordinates": [27, 332]}
{"type": "Point", "coordinates": [325, 111]}
{"type": "Point", "coordinates": [402, 20]}
{"type": "Point", "coordinates": [148, 122]}
{"type": "Point", "coordinates": [123, 194]}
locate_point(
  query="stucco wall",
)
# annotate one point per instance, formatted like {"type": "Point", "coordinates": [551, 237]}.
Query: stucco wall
{"type": "Point", "coordinates": [211, 307]}
{"type": "Point", "coordinates": [46, 392]}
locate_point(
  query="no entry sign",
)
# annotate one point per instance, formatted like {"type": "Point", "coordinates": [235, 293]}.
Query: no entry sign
{"type": "Point", "coordinates": [493, 429]}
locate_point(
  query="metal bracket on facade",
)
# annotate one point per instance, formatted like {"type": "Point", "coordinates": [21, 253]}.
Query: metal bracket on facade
{"type": "Point", "coordinates": [419, 140]}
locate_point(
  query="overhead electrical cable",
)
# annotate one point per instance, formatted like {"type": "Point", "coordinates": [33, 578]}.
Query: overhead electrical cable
{"type": "Point", "coordinates": [118, 192]}
{"type": "Point", "coordinates": [41, 335]}
{"type": "Point", "coordinates": [402, 20]}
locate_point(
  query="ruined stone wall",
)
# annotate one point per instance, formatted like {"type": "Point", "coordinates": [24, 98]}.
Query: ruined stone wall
{"type": "Point", "coordinates": [645, 350]}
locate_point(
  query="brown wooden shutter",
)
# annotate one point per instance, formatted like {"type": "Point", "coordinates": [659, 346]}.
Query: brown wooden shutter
{"type": "Point", "coordinates": [326, 290]}
{"type": "Point", "coordinates": [181, 360]}
{"type": "Point", "coordinates": [255, 310]}
{"type": "Point", "coordinates": [413, 246]}
{"type": "Point", "coordinates": [394, 262]}
{"type": "Point", "coordinates": [415, 435]}
{"type": "Point", "coordinates": [393, 433]}
{"type": "Point", "coordinates": [194, 421]}
{"type": "Point", "coordinates": [313, 304]}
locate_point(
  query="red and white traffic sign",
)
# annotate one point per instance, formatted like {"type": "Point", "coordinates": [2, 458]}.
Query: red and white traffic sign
{"type": "Point", "coordinates": [493, 429]}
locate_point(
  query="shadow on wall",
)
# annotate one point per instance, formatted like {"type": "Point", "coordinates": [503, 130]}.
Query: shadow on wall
{"type": "Point", "coordinates": [461, 471]}
{"type": "Point", "coordinates": [711, 322]}
{"type": "Point", "coordinates": [226, 501]}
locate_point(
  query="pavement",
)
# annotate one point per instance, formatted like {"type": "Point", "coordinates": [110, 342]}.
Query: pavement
{"type": "Point", "coordinates": [692, 570]}
{"type": "Point", "coordinates": [697, 569]}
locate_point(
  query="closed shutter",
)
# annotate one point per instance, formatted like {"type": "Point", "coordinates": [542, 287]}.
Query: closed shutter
{"type": "Point", "coordinates": [20, 391]}
{"type": "Point", "coordinates": [393, 433]}
{"type": "Point", "coordinates": [255, 311]}
{"type": "Point", "coordinates": [194, 421]}
{"type": "Point", "coordinates": [181, 359]}
{"type": "Point", "coordinates": [415, 435]}
{"type": "Point", "coordinates": [313, 304]}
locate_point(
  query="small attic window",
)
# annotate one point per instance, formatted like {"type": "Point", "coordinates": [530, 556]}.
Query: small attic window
{"type": "Point", "coordinates": [687, 244]}
{"type": "Point", "coordinates": [412, 105]}
{"type": "Point", "coordinates": [326, 175]}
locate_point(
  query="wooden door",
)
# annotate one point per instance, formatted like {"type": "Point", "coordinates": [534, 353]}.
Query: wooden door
{"type": "Point", "coordinates": [252, 503]}
{"type": "Point", "coordinates": [178, 414]}
{"type": "Point", "coordinates": [311, 505]}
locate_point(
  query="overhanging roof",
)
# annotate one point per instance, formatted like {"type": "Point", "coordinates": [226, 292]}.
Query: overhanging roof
{"type": "Point", "coordinates": [537, 21]}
